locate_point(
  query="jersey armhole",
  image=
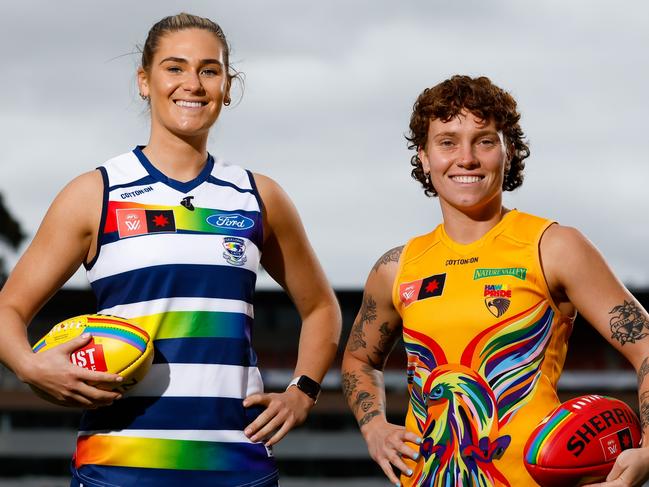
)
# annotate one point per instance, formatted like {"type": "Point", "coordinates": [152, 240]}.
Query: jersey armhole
{"type": "Point", "coordinates": [543, 282]}
{"type": "Point", "coordinates": [260, 203]}
{"type": "Point", "coordinates": [102, 219]}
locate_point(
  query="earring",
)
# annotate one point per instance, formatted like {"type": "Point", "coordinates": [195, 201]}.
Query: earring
{"type": "Point", "coordinates": [226, 102]}
{"type": "Point", "coordinates": [144, 97]}
{"type": "Point", "coordinates": [427, 179]}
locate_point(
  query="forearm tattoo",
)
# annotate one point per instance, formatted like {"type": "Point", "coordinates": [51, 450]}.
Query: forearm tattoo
{"type": "Point", "coordinates": [629, 323]}
{"type": "Point", "coordinates": [384, 347]}
{"type": "Point", "coordinates": [368, 417]}
{"type": "Point", "coordinates": [643, 371]}
{"type": "Point", "coordinates": [364, 401]}
{"type": "Point", "coordinates": [349, 382]}
{"type": "Point", "coordinates": [644, 409]}
{"type": "Point", "coordinates": [367, 315]}
{"type": "Point", "coordinates": [391, 255]}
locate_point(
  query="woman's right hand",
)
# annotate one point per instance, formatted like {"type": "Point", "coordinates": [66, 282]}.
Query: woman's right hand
{"type": "Point", "coordinates": [53, 377]}
{"type": "Point", "coordinates": [387, 444]}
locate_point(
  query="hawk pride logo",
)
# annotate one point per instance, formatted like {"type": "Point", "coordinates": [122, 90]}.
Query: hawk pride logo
{"type": "Point", "coordinates": [138, 221]}
{"type": "Point", "coordinates": [429, 287]}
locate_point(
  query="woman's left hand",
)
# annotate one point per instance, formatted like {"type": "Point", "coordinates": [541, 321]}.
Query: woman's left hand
{"type": "Point", "coordinates": [631, 469]}
{"type": "Point", "coordinates": [283, 412]}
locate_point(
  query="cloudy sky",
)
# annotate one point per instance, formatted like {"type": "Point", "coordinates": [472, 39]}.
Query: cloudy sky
{"type": "Point", "coordinates": [328, 93]}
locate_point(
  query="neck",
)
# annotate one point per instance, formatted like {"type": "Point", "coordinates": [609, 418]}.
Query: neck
{"type": "Point", "coordinates": [180, 158]}
{"type": "Point", "coordinates": [466, 226]}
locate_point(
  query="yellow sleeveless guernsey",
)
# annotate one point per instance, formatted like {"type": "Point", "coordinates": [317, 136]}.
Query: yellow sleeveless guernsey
{"type": "Point", "coordinates": [485, 347]}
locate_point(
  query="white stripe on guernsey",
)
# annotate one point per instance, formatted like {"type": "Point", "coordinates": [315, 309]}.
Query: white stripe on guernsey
{"type": "Point", "coordinates": [135, 253]}
{"type": "Point", "coordinates": [222, 436]}
{"type": "Point", "coordinates": [124, 169]}
{"type": "Point", "coordinates": [225, 171]}
{"type": "Point", "coordinates": [163, 305]}
{"type": "Point", "coordinates": [224, 198]}
{"type": "Point", "coordinates": [199, 380]}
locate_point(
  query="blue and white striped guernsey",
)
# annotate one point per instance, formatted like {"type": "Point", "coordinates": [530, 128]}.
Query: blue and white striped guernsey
{"type": "Point", "coordinates": [180, 260]}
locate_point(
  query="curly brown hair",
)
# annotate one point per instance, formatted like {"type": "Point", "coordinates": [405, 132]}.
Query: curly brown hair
{"type": "Point", "coordinates": [484, 100]}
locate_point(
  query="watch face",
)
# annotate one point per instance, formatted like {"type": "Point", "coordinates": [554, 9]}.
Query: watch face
{"type": "Point", "coordinates": [310, 387]}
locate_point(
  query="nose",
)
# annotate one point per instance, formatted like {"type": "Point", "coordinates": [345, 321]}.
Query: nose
{"type": "Point", "coordinates": [192, 82]}
{"type": "Point", "coordinates": [467, 158]}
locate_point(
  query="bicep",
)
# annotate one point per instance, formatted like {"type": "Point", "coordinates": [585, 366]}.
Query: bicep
{"type": "Point", "coordinates": [592, 287]}
{"type": "Point", "coordinates": [378, 325]}
{"type": "Point", "coordinates": [57, 250]}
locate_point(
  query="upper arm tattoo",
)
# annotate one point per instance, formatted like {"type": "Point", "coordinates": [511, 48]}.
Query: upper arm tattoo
{"type": "Point", "coordinates": [391, 255]}
{"type": "Point", "coordinates": [628, 323]}
{"type": "Point", "coordinates": [384, 347]}
{"type": "Point", "coordinates": [644, 410]}
{"type": "Point", "coordinates": [643, 371]}
{"type": "Point", "coordinates": [367, 315]}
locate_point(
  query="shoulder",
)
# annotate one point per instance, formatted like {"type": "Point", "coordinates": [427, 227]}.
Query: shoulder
{"type": "Point", "coordinates": [385, 270]}
{"type": "Point", "coordinates": [389, 259]}
{"type": "Point", "coordinates": [560, 239]}
{"type": "Point", "coordinates": [267, 186]}
{"type": "Point", "coordinates": [88, 186]}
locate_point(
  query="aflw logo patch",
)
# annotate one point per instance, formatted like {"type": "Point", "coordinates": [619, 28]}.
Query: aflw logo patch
{"type": "Point", "coordinates": [139, 221]}
{"type": "Point", "coordinates": [429, 287]}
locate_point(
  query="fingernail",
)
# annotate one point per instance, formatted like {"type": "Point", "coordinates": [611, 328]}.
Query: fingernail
{"type": "Point", "coordinates": [119, 379]}
{"type": "Point", "coordinates": [409, 472]}
{"type": "Point", "coordinates": [419, 440]}
{"type": "Point", "coordinates": [415, 456]}
{"type": "Point", "coordinates": [246, 432]}
{"type": "Point", "coordinates": [118, 397]}
{"type": "Point", "coordinates": [85, 335]}
{"type": "Point", "coordinates": [398, 484]}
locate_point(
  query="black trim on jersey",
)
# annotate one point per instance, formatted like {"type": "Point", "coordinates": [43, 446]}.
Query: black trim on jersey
{"type": "Point", "coordinates": [255, 191]}
{"type": "Point", "coordinates": [183, 187]}
{"type": "Point", "coordinates": [102, 218]}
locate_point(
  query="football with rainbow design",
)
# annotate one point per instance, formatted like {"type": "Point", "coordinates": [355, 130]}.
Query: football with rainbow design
{"type": "Point", "coordinates": [579, 441]}
{"type": "Point", "coordinates": [117, 346]}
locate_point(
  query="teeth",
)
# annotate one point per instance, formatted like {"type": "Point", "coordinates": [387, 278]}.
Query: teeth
{"type": "Point", "coordinates": [466, 179]}
{"type": "Point", "coordinates": [189, 104]}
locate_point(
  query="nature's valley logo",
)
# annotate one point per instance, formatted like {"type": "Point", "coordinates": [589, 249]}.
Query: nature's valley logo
{"type": "Point", "coordinates": [517, 272]}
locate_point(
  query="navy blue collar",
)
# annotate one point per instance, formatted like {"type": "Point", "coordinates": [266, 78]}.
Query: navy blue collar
{"type": "Point", "coordinates": [183, 187]}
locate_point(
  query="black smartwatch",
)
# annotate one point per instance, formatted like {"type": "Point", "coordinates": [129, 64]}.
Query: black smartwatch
{"type": "Point", "coordinates": [307, 385]}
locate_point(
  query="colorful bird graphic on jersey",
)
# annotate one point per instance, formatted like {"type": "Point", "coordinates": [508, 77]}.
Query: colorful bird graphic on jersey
{"type": "Point", "coordinates": [460, 408]}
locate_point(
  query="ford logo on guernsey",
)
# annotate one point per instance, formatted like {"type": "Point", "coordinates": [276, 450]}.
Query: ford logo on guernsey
{"type": "Point", "coordinates": [231, 220]}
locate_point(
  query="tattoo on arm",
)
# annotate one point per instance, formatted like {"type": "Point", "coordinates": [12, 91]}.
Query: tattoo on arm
{"type": "Point", "coordinates": [368, 417]}
{"type": "Point", "coordinates": [349, 383]}
{"type": "Point", "coordinates": [644, 410]}
{"type": "Point", "coordinates": [384, 347]}
{"type": "Point", "coordinates": [367, 315]}
{"type": "Point", "coordinates": [364, 401]}
{"type": "Point", "coordinates": [643, 371]}
{"type": "Point", "coordinates": [369, 371]}
{"type": "Point", "coordinates": [391, 255]}
{"type": "Point", "coordinates": [629, 323]}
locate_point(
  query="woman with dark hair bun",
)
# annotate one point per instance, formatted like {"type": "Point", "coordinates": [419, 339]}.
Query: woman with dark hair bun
{"type": "Point", "coordinates": [485, 304]}
{"type": "Point", "coordinates": [172, 239]}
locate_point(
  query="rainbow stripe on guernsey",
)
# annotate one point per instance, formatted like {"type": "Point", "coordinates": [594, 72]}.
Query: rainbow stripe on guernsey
{"type": "Point", "coordinates": [546, 435]}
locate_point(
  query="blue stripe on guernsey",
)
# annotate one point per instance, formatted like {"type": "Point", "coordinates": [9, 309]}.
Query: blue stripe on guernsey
{"type": "Point", "coordinates": [176, 280]}
{"type": "Point", "coordinates": [182, 478]}
{"type": "Point", "coordinates": [226, 351]}
{"type": "Point", "coordinates": [228, 184]}
{"type": "Point", "coordinates": [176, 413]}
{"type": "Point", "coordinates": [140, 182]}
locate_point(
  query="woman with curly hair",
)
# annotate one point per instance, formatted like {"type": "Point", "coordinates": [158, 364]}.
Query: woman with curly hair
{"type": "Point", "coordinates": [485, 303]}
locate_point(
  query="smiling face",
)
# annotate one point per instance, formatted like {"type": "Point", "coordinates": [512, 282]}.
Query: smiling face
{"type": "Point", "coordinates": [187, 83]}
{"type": "Point", "coordinates": [466, 159]}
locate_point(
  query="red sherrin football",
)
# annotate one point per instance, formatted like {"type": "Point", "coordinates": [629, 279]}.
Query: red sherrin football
{"type": "Point", "coordinates": [579, 441]}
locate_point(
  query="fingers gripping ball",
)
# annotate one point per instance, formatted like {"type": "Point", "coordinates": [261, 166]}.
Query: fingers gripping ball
{"type": "Point", "coordinates": [579, 441]}
{"type": "Point", "coordinates": [117, 346]}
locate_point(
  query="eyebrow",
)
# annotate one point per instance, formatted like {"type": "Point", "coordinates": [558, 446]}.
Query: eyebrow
{"type": "Point", "coordinates": [184, 61]}
{"type": "Point", "coordinates": [479, 133]}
